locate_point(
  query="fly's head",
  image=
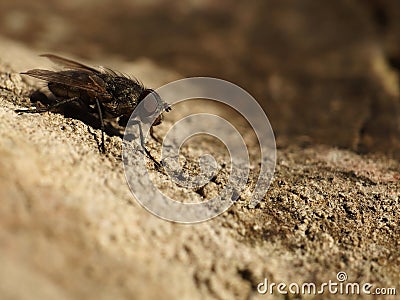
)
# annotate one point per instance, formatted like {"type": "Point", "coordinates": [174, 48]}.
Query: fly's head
{"type": "Point", "coordinates": [152, 107]}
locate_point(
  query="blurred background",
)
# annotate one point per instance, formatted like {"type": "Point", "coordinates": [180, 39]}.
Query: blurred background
{"type": "Point", "coordinates": [324, 71]}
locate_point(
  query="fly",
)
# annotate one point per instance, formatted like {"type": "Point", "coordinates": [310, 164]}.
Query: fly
{"type": "Point", "coordinates": [100, 91]}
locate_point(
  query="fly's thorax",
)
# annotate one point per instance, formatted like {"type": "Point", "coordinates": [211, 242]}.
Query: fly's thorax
{"type": "Point", "coordinates": [125, 94]}
{"type": "Point", "coordinates": [123, 88]}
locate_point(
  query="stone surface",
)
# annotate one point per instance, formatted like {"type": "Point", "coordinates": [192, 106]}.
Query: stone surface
{"type": "Point", "coordinates": [327, 74]}
{"type": "Point", "coordinates": [71, 229]}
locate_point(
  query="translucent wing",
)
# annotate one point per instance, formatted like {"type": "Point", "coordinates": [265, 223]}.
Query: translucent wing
{"type": "Point", "coordinates": [78, 79]}
{"type": "Point", "coordinates": [70, 63]}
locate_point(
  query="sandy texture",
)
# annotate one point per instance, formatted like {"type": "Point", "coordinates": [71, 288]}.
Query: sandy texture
{"type": "Point", "coordinates": [71, 229]}
{"type": "Point", "coordinates": [327, 75]}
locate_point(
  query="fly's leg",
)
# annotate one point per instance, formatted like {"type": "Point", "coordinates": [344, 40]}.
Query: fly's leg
{"type": "Point", "coordinates": [157, 164]}
{"type": "Point", "coordinates": [101, 125]}
{"type": "Point", "coordinates": [153, 136]}
{"type": "Point", "coordinates": [47, 108]}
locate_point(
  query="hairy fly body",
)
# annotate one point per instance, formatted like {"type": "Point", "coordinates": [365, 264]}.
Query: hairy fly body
{"type": "Point", "coordinates": [101, 91]}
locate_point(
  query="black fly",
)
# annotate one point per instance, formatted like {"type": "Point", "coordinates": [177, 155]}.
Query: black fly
{"type": "Point", "coordinates": [99, 91]}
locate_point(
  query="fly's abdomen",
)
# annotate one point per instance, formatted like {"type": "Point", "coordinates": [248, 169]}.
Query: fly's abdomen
{"type": "Point", "coordinates": [63, 91]}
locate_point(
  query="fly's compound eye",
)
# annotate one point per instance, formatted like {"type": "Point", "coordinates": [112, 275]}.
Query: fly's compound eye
{"type": "Point", "coordinates": [150, 106]}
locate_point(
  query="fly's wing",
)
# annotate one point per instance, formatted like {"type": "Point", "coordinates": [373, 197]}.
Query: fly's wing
{"type": "Point", "coordinates": [77, 79]}
{"type": "Point", "coordinates": [70, 64]}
